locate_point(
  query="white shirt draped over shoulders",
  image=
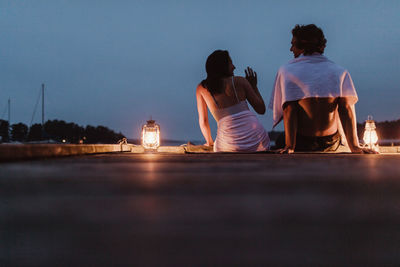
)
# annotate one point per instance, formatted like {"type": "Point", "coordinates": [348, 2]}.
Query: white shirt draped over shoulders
{"type": "Point", "coordinates": [310, 76]}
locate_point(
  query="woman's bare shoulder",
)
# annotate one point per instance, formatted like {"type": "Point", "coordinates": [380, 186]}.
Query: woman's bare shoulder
{"type": "Point", "coordinates": [240, 81]}
{"type": "Point", "coordinates": [200, 88]}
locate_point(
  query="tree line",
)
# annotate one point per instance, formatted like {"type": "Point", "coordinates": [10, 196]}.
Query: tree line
{"type": "Point", "coordinates": [384, 130]}
{"type": "Point", "coordinates": [59, 131]}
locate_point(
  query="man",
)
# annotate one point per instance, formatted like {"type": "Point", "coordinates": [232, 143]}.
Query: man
{"type": "Point", "coordinates": [315, 97]}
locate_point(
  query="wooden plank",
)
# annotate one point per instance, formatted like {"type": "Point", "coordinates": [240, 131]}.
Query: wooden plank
{"type": "Point", "coordinates": [10, 152]}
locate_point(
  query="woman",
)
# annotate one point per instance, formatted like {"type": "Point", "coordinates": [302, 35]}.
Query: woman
{"type": "Point", "coordinates": [225, 96]}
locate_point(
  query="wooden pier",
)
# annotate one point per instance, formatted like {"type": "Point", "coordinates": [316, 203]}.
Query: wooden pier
{"type": "Point", "coordinates": [127, 209]}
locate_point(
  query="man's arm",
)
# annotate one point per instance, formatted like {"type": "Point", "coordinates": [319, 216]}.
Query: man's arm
{"type": "Point", "coordinates": [348, 122]}
{"type": "Point", "coordinates": [290, 121]}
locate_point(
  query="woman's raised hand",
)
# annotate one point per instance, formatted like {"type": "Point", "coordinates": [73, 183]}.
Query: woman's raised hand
{"type": "Point", "coordinates": [251, 77]}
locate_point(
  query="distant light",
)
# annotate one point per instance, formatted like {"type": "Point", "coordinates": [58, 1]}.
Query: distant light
{"type": "Point", "coordinates": [64, 140]}
{"type": "Point", "coordinates": [151, 135]}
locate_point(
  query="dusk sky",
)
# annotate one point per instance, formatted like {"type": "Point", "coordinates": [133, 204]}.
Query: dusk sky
{"type": "Point", "coordinates": [116, 63]}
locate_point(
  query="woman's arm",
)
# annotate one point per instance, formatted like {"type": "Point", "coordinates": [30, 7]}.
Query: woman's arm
{"type": "Point", "coordinates": [203, 117]}
{"type": "Point", "coordinates": [252, 94]}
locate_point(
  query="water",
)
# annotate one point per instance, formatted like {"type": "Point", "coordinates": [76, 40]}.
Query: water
{"type": "Point", "coordinates": [169, 142]}
{"type": "Point", "coordinates": [389, 142]}
{"type": "Point", "coordinates": [383, 142]}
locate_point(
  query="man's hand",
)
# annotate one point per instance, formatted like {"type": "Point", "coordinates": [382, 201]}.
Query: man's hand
{"type": "Point", "coordinates": [363, 150]}
{"type": "Point", "coordinates": [285, 150]}
{"type": "Point", "coordinates": [251, 77]}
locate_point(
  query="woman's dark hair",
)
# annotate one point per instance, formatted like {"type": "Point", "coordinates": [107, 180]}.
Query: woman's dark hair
{"type": "Point", "coordinates": [310, 38]}
{"type": "Point", "coordinates": [217, 68]}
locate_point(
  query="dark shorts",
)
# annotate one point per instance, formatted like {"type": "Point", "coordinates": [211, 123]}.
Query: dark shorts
{"type": "Point", "coordinates": [318, 143]}
{"type": "Point", "coordinates": [312, 143]}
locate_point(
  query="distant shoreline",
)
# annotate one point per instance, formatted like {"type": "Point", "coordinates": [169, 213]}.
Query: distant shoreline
{"type": "Point", "coordinates": [167, 142]}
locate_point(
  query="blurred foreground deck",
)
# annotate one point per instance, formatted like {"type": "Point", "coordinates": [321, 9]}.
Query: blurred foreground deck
{"type": "Point", "coordinates": [201, 210]}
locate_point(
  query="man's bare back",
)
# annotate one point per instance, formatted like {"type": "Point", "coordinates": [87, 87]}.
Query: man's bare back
{"type": "Point", "coordinates": [317, 116]}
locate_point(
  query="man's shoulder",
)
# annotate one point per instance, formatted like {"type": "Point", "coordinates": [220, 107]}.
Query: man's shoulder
{"type": "Point", "coordinates": [293, 63]}
{"type": "Point", "coordinates": [312, 62]}
{"type": "Point", "coordinates": [331, 64]}
{"type": "Point", "coordinates": [286, 66]}
{"type": "Point", "coordinates": [335, 67]}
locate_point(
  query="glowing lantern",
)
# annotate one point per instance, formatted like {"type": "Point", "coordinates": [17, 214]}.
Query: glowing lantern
{"type": "Point", "coordinates": [151, 135]}
{"type": "Point", "coordinates": [370, 136]}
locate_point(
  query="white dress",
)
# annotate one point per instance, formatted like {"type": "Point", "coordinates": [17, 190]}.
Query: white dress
{"type": "Point", "coordinates": [239, 129]}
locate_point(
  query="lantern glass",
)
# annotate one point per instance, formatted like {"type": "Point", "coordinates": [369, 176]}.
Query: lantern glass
{"type": "Point", "coordinates": [370, 137]}
{"type": "Point", "coordinates": [151, 135]}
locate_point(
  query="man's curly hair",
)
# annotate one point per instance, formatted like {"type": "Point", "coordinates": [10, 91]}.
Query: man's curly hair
{"type": "Point", "coordinates": [310, 38]}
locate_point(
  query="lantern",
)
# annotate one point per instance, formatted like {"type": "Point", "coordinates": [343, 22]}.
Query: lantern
{"type": "Point", "coordinates": [151, 135]}
{"type": "Point", "coordinates": [370, 136]}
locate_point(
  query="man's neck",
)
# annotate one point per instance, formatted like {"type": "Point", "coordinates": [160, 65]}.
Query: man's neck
{"type": "Point", "coordinates": [313, 54]}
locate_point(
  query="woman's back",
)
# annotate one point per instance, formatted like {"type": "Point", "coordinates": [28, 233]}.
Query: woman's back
{"type": "Point", "coordinates": [236, 90]}
{"type": "Point", "coordinates": [225, 96]}
{"type": "Point", "coordinates": [228, 102]}
{"type": "Point", "coordinates": [232, 94]}
{"type": "Point", "coordinates": [238, 128]}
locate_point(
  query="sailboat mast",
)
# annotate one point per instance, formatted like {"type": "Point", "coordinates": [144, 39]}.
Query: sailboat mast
{"type": "Point", "coordinates": [9, 111]}
{"type": "Point", "coordinates": [42, 104]}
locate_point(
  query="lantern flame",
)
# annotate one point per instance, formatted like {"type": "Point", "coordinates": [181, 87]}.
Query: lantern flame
{"type": "Point", "coordinates": [150, 137]}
